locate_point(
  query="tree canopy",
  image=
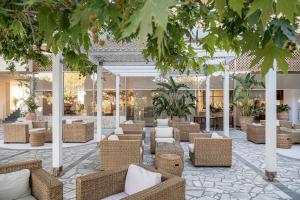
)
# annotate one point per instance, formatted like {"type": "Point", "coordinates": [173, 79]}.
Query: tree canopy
{"type": "Point", "coordinates": [168, 28]}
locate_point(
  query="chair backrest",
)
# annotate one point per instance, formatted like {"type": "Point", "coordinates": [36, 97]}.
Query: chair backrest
{"type": "Point", "coordinates": [12, 167]}
{"type": "Point", "coordinates": [286, 124]}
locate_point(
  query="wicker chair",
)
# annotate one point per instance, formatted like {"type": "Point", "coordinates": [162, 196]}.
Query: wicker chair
{"type": "Point", "coordinates": [294, 132]}
{"type": "Point", "coordinates": [78, 132]}
{"type": "Point", "coordinates": [19, 132]}
{"type": "Point", "coordinates": [176, 135]}
{"type": "Point", "coordinates": [115, 153]}
{"type": "Point", "coordinates": [104, 184]}
{"type": "Point", "coordinates": [137, 127]}
{"type": "Point", "coordinates": [256, 133]}
{"type": "Point", "coordinates": [43, 185]}
{"type": "Point", "coordinates": [210, 152]}
{"type": "Point", "coordinates": [186, 128]}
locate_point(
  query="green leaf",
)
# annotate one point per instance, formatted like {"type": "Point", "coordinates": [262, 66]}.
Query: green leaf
{"type": "Point", "coordinates": [265, 57]}
{"type": "Point", "coordinates": [287, 8]}
{"type": "Point", "coordinates": [156, 11]}
{"type": "Point", "coordinates": [265, 7]}
{"type": "Point", "coordinates": [236, 5]}
{"type": "Point", "coordinates": [220, 4]}
{"type": "Point", "coordinates": [17, 29]}
{"type": "Point", "coordinates": [47, 21]}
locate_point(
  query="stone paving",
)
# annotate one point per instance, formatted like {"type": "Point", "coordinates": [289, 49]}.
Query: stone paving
{"type": "Point", "coordinates": [244, 180]}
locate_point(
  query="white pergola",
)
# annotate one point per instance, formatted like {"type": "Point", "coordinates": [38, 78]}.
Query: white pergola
{"type": "Point", "coordinates": [125, 60]}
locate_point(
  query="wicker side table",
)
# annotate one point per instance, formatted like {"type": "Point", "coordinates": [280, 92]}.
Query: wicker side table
{"type": "Point", "coordinates": [37, 139]}
{"type": "Point", "coordinates": [284, 140]}
{"type": "Point", "coordinates": [170, 163]}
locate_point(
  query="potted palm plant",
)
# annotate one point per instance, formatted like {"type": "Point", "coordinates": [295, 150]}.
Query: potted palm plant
{"type": "Point", "coordinates": [283, 112]}
{"type": "Point", "coordinates": [173, 99]}
{"type": "Point", "coordinates": [31, 108]}
{"type": "Point", "coordinates": [244, 100]}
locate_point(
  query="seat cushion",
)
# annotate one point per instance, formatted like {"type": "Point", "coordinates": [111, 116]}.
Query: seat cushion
{"type": "Point", "coordinates": [191, 147]}
{"type": "Point", "coordinates": [29, 197]}
{"type": "Point", "coordinates": [164, 132]}
{"type": "Point", "coordinates": [36, 130]}
{"type": "Point", "coordinates": [15, 185]}
{"type": "Point", "coordinates": [128, 122]}
{"type": "Point", "coordinates": [113, 137]}
{"type": "Point", "coordinates": [117, 196]}
{"type": "Point", "coordinates": [118, 131]}
{"type": "Point", "coordinates": [167, 140]}
{"type": "Point", "coordinates": [139, 179]}
{"type": "Point", "coordinates": [290, 130]}
{"type": "Point", "coordinates": [215, 135]}
{"type": "Point", "coordinates": [162, 122]}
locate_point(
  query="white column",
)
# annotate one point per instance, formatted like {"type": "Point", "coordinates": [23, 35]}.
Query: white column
{"type": "Point", "coordinates": [99, 102]}
{"type": "Point", "coordinates": [226, 102]}
{"type": "Point", "coordinates": [271, 134]}
{"type": "Point", "coordinates": [57, 110]}
{"type": "Point", "coordinates": [117, 100]}
{"type": "Point", "coordinates": [207, 103]}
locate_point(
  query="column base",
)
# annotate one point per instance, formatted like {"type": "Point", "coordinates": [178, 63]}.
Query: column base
{"type": "Point", "coordinates": [57, 171]}
{"type": "Point", "coordinates": [270, 176]}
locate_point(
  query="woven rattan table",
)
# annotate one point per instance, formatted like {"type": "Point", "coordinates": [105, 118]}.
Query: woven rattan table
{"type": "Point", "coordinates": [37, 139]}
{"type": "Point", "coordinates": [284, 140]}
{"type": "Point", "coordinates": [171, 163]}
{"type": "Point", "coordinates": [169, 148]}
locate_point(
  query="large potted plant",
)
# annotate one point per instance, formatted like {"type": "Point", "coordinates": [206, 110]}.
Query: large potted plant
{"type": "Point", "coordinates": [31, 108]}
{"type": "Point", "coordinates": [283, 112]}
{"type": "Point", "coordinates": [173, 100]}
{"type": "Point", "coordinates": [244, 100]}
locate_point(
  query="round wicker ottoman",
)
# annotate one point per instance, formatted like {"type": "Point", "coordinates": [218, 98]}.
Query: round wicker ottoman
{"type": "Point", "coordinates": [170, 163]}
{"type": "Point", "coordinates": [284, 140]}
{"type": "Point", "coordinates": [37, 139]}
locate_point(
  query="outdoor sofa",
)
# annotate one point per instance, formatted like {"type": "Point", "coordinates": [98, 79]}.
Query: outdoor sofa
{"type": "Point", "coordinates": [128, 149]}
{"type": "Point", "coordinates": [43, 185]}
{"type": "Point", "coordinates": [207, 151]}
{"type": "Point", "coordinates": [133, 127]}
{"type": "Point", "coordinates": [19, 132]}
{"type": "Point", "coordinates": [80, 132]}
{"type": "Point", "coordinates": [163, 134]}
{"type": "Point", "coordinates": [104, 184]}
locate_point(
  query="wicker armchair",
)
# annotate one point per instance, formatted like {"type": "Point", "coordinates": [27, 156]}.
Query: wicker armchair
{"type": "Point", "coordinates": [186, 128]}
{"type": "Point", "coordinates": [78, 132]}
{"type": "Point", "coordinates": [295, 132]}
{"type": "Point", "coordinates": [176, 135]}
{"type": "Point", "coordinates": [115, 153]}
{"type": "Point", "coordinates": [137, 127]}
{"type": "Point", "coordinates": [43, 185]}
{"type": "Point", "coordinates": [256, 133]}
{"type": "Point", "coordinates": [210, 152]}
{"type": "Point", "coordinates": [104, 184]}
{"type": "Point", "coordinates": [19, 132]}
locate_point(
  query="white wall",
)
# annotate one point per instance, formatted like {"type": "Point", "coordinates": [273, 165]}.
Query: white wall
{"type": "Point", "coordinates": [292, 98]}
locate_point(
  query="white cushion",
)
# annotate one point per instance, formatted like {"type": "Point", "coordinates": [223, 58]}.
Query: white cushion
{"type": "Point", "coordinates": [128, 122]}
{"type": "Point", "coordinates": [15, 185]}
{"type": "Point", "coordinates": [36, 130]}
{"type": "Point", "coordinates": [193, 123]}
{"type": "Point", "coordinates": [167, 140]}
{"type": "Point", "coordinates": [119, 131]}
{"type": "Point", "coordinates": [215, 135]}
{"type": "Point", "coordinates": [29, 197]}
{"type": "Point", "coordinates": [277, 123]}
{"type": "Point", "coordinates": [290, 130]}
{"type": "Point", "coordinates": [113, 137]}
{"type": "Point", "coordinates": [162, 122]}
{"type": "Point", "coordinates": [191, 147]}
{"type": "Point", "coordinates": [164, 132]}
{"type": "Point", "coordinates": [139, 179]}
{"type": "Point", "coordinates": [117, 196]}
{"type": "Point", "coordinates": [256, 124]}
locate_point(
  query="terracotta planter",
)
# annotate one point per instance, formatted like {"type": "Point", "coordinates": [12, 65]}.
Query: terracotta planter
{"type": "Point", "coordinates": [244, 120]}
{"type": "Point", "coordinates": [283, 116]}
{"type": "Point", "coordinates": [31, 116]}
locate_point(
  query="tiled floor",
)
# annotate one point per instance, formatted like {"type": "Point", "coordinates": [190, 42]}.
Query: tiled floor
{"type": "Point", "coordinates": [244, 180]}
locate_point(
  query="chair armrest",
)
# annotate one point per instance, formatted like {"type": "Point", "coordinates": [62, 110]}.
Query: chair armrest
{"type": "Point", "coordinates": [19, 127]}
{"type": "Point", "coordinates": [100, 184]}
{"type": "Point", "coordinates": [38, 124]}
{"type": "Point", "coordinates": [172, 188]}
{"type": "Point", "coordinates": [193, 136]}
{"type": "Point", "coordinates": [176, 134]}
{"type": "Point", "coordinates": [130, 136]}
{"type": "Point", "coordinates": [45, 186]}
{"type": "Point", "coordinates": [11, 167]}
